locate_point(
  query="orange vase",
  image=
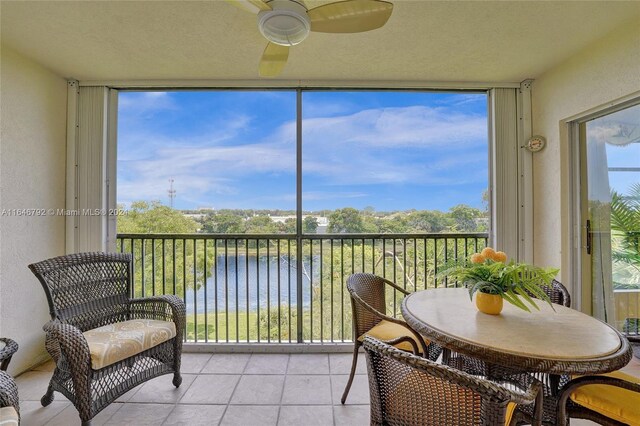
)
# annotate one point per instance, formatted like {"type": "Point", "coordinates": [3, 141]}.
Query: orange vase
{"type": "Point", "coordinates": [489, 303]}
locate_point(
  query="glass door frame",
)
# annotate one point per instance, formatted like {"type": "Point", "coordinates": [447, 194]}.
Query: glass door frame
{"type": "Point", "coordinates": [579, 262]}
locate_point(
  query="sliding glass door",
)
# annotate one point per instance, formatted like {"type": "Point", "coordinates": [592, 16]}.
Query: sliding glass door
{"type": "Point", "coordinates": [611, 168]}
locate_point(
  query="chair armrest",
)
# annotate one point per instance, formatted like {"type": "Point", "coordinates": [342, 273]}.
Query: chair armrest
{"type": "Point", "coordinates": [380, 315]}
{"type": "Point", "coordinates": [68, 339]}
{"type": "Point", "coordinates": [7, 352]}
{"type": "Point", "coordinates": [8, 391]}
{"type": "Point", "coordinates": [166, 308]}
{"type": "Point", "coordinates": [67, 342]}
{"type": "Point", "coordinates": [396, 286]}
{"type": "Point", "coordinates": [578, 382]}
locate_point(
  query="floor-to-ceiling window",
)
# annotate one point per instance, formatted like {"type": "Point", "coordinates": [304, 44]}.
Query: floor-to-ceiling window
{"type": "Point", "coordinates": [389, 182]}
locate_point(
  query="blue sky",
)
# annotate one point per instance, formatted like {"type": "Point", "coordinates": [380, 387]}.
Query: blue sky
{"type": "Point", "coordinates": [236, 149]}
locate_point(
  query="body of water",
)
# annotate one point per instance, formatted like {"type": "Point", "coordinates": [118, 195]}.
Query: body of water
{"type": "Point", "coordinates": [260, 280]}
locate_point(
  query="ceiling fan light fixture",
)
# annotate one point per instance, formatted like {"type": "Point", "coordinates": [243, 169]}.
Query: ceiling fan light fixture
{"type": "Point", "coordinates": [287, 24]}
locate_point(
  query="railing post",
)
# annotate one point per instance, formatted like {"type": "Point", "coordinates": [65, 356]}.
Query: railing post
{"type": "Point", "coordinates": [299, 307]}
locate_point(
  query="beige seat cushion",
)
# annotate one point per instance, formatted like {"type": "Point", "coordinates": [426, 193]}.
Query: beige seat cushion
{"type": "Point", "coordinates": [8, 416]}
{"type": "Point", "coordinates": [386, 330]}
{"type": "Point", "coordinates": [114, 342]}
{"type": "Point", "coordinates": [616, 403]}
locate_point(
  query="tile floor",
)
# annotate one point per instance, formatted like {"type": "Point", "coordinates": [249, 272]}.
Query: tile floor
{"type": "Point", "coordinates": [224, 389]}
{"type": "Point", "coordinates": [228, 389]}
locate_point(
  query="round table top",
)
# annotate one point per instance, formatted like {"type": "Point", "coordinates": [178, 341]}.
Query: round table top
{"type": "Point", "coordinates": [551, 339]}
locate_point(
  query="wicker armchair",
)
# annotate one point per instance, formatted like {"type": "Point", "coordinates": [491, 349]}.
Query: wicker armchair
{"type": "Point", "coordinates": [9, 406]}
{"type": "Point", "coordinates": [368, 307]}
{"type": "Point", "coordinates": [409, 390]}
{"type": "Point", "coordinates": [88, 295]}
{"type": "Point", "coordinates": [612, 399]}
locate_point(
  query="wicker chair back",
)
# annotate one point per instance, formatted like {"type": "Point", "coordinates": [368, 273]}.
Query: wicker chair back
{"type": "Point", "coordinates": [87, 290]}
{"type": "Point", "coordinates": [409, 390]}
{"type": "Point", "coordinates": [371, 289]}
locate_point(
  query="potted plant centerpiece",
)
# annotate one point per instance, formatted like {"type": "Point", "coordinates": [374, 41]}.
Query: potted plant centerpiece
{"type": "Point", "coordinates": [492, 279]}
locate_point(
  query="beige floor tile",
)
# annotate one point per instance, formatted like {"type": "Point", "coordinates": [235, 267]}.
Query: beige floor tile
{"type": "Point", "coordinates": [341, 363]}
{"type": "Point", "coordinates": [296, 415]}
{"type": "Point", "coordinates": [308, 364]}
{"type": "Point", "coordinates": [226, 364]}
{"type": "Point", "coordinates": [140, 414]}
{"type": "Point", "coordinates": [211, 389]}
{"type": "Point", "coordinates": [195, 415]}
{"type": "Point", "coordinates": [359, 392]}
{"type": "Point", "coordinates": [69, 416]}
{"type": "Point", "coordinates": [128, 395]}
{"type": "Point", "coordinates": [258, 389]}
{"type": "Point", "coordinates": [307, 390]}
{"type": "Point", "coordinates": [250, 415]}
{"type": "Point", "coordinates": [193, 363]}
{"type": "Point", "coordinates": [351, 415]}
{"type": "Point", "coordinates": [33, 413]}
{"type": "Point", "coordinates": [32, 385]}
{"type": "Point", "coordinates": [267, 364]}
{"type": "Point", "coordinates": [161, 390]}
{"type": "Point", "coordinates": [582, 422]}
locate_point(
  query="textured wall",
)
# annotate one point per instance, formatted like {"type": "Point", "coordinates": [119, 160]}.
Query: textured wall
{"type": "Point", "coordinates": [33, 104]}
{"type": "Point", "coordinates": [607, 70]}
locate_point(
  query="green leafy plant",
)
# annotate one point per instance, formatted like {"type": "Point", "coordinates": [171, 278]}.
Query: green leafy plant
{"type": "Point", "coordinates": [489, 272]}
{"type": "Point", "coordinates": [625, 238]}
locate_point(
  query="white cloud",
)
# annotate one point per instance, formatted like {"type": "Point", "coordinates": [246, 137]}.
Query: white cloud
{"type": "Point", "coordinates": [142, 102]}
{"type": "Point", "coordinates": [375, 146]}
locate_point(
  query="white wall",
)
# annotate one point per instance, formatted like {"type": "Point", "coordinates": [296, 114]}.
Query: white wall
{"type": "Point", "coordinates": [33, 108]}
{"type": "Point", "coordinates": [605, 71]}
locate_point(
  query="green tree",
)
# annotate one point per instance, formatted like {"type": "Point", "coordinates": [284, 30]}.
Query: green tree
{"type": "Point", "coordinates": [428, 221]}
{"type": "Point", "coordinates": [223, 223]}
{"type": "Point", "coordinates": [310, 225]}
{"type": "Point", "coordinates": [346, 220]}
{"type": "Point", "coordinates": [153, 217]}
{"type": "Point", "coordinates": [464, 217]}
{"type": "Point", "coordinates": [289, 226]}
{"type": "Point", "coordinates": [261, 225]}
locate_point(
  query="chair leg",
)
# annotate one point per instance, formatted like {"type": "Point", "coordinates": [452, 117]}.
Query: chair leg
{"type": "Point", "coordinates": [354, 363]}
{"type": "Point", "coordinates": [48, 397]}
{"type": "Point", "coordinates": [177, 379]}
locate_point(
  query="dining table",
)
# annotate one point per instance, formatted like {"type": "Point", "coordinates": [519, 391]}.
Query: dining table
{"type": "Point", "coordinates": [553, 341]}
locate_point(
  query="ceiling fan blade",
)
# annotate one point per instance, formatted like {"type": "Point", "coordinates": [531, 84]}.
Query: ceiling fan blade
{"type": "Point", "coordinates": [252, 6]}
{"type": "Point", "coordinates": [350, 16]}
{"type": "Point", "coordinates": [273, 60]}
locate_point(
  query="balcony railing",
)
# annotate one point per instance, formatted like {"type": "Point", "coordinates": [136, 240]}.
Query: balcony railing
{"type": "Point", "coordinates": [275, 288]}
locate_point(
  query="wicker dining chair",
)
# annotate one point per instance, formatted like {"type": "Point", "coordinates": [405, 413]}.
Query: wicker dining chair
{"type": "Point", "coordinates": [9, 401]}
{"type": "Point", "coordinates": [368, 307]}
{"type": "Point", "coordinates": [103, 342]}
{"type": "Point", "coordinates": [611, 399]}
{"type": "Point", "coordinates": [413, 391]}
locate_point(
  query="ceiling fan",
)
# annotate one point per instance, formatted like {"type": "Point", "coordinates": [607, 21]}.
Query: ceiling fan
{"type": "Point", "coordinates": [285, 23]}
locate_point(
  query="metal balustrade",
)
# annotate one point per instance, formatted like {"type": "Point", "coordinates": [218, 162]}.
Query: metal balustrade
{"type": "Point", "coordinates": [280, 288]}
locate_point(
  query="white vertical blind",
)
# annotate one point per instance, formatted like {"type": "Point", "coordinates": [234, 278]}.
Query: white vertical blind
{"type": "Point", "coordinates": [94, 167]}
{"type": "Point", "coordinates": [509, 180]}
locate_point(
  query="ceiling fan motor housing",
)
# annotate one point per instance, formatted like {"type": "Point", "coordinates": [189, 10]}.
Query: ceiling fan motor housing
{"type": "Point", "coordinates": [287, 24]}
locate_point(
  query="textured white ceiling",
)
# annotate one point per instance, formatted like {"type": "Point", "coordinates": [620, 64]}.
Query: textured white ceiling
{"type": "Point", "coordinates": [423, 40]}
